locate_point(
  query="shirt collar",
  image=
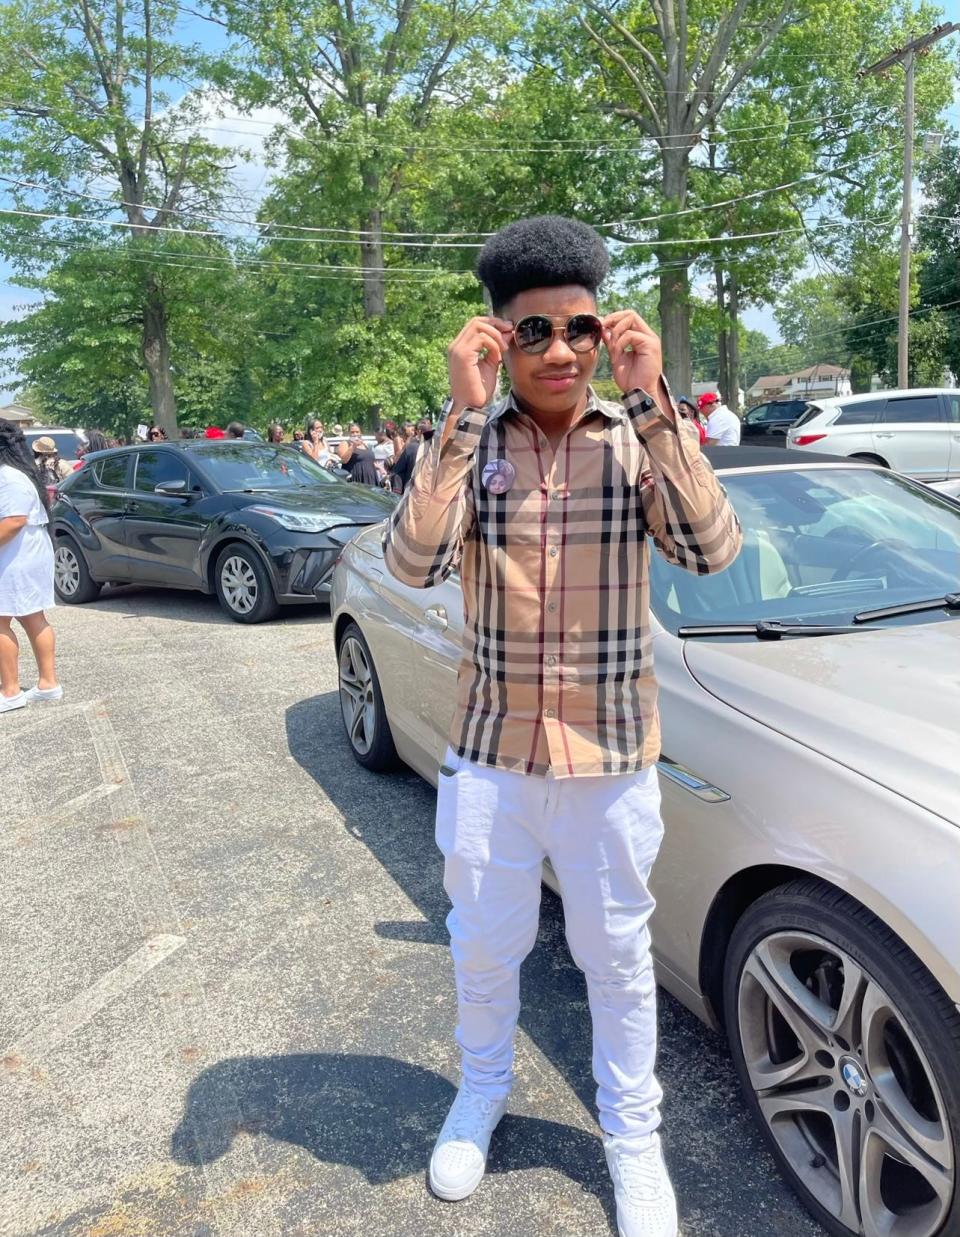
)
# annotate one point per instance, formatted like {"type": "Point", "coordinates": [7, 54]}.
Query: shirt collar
{"type": "Point", "coordinates": [614, 412]}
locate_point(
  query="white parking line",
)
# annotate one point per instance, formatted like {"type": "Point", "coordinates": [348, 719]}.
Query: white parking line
{"type": "Point", "coordinates": [44, 1037]}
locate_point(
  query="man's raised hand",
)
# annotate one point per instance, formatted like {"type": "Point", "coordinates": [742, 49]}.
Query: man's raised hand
{"type": "Point", "coordinates": [636, 357]}
{"type": "Point", "coordinates": [474, 359]}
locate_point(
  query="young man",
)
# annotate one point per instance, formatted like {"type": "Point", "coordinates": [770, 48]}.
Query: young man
{"type": "Point", "coordinates": [545, 499]}
{"type": "Point", "coordinates": [723, 426]}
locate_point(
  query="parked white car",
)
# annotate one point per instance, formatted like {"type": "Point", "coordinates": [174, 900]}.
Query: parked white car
{"type": "Point", "coordinates": [916, 431]}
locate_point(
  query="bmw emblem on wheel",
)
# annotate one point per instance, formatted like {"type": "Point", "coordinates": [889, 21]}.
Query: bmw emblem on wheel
{"type": "Point", "coordinates": [853, 1076]}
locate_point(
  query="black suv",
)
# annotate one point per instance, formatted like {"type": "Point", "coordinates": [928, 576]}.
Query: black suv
{"type": "Point", "coordinates": [767, 424]}
{"type": "Point", "coordinates": [258, 525]}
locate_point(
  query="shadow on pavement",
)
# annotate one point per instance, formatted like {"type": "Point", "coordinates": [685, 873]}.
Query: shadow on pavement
{"type": "Point", "coordinates": [373, 1113]}
{"type": "Point", "coordinates": [140, 600]}
{"type": "Point", "coordinates": [730, 1192]}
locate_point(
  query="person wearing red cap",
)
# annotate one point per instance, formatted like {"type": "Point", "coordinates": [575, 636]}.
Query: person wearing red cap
{"type": "Point", "coordinates": [723, 426]}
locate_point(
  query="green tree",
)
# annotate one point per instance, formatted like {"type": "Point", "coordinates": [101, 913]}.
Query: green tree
{"type": "Point", "coordinates": [810, 314]}
{"type": "Point", "coordinates": [80, 347]}
{"type": "Point", "coordinates": [363, 80]}
{"type": "Point", "coordinates": [938, 241]}
{"type": "Point", "coordinates": [85, 98]}
{"type": "Point", "coordinates": [696, 66]}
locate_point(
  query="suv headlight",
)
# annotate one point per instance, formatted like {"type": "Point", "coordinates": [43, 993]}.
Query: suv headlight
{"type": "Point", "coordinates": [298, 521]}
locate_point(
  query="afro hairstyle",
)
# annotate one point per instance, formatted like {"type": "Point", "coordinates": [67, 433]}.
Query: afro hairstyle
{"type": "Point", "coordinates": [546, 251]}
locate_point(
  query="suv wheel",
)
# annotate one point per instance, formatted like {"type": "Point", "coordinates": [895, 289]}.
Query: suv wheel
{"type": "Point", "coordinates": [72, 581]}
{"type": "Point", "coordinates": [848, 1052]}
{"type": "Point", "coordinates": [243, 586]}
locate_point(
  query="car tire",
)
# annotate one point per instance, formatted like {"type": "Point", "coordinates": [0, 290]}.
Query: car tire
{"type": "Point", "coordinates": [842, 1100]}
{"type": "Point", "coordinates": [361, 704]}
{"type": "Point", "coordinates": [243, 585]}
{"type": "Point", "coordinates": [72, 581]}
{"type": "Point", "coordinates": [870, 459]}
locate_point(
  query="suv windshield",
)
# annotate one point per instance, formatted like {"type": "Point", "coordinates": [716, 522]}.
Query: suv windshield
{"type": "Point", "coordinates": [820, 546]}
{"type": "Point", "coordinates": [256, 467]}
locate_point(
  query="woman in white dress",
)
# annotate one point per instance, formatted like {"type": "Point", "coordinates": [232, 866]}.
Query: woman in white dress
{"type": "Point", "coordinates": [26, 573]}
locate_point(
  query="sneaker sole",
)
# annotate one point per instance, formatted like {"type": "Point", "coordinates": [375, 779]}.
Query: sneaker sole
{"type": "Point", "coordinates": [454, 1195]}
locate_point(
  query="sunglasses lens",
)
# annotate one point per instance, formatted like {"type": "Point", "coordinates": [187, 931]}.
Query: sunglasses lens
{"type": "Point", "coordinates": [533, 334]}
{"type": "Point", "coordinates": [584, 332]}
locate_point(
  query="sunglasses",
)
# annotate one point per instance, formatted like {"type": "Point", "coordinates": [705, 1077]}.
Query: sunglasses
{"type": "Point", "coordinates": [581, 333]}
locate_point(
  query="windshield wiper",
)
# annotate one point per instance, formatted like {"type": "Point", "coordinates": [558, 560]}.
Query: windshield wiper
{"type": "Point", "coordinates": [950, 602]}
{"type": "Point", "coordinates": [765, 629]}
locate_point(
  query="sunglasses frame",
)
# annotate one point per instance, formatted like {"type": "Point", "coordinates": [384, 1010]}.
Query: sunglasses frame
{"type": "Point", "coordinates": [556, 330]}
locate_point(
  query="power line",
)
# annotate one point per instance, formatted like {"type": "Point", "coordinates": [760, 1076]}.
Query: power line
{"type": "Point", "coordinates": [403, 240]}
{"type": "Point", "coordinates": [567, 145]}
{"type": "Point", "coordinates": [855, 326]}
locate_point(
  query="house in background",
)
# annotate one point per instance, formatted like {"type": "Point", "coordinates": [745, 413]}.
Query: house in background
{"type": "Point", "coordinates": [19, 413]}
{"type": "Point", "coordinates": [701, 388]}
{"type": "Point", "coordinates": [768, 387]}
{"type": "Point", "coordinates": [815, 381]}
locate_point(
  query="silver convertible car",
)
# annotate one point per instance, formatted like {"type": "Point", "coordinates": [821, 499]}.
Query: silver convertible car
{"type": "Point", "coordinates": [808, 888]}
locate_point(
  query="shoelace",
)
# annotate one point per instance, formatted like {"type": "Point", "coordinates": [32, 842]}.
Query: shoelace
{"type": "Point", "coordinates": [641, 1175]}
{"type": "Point", "coordinates": [472, 1114]}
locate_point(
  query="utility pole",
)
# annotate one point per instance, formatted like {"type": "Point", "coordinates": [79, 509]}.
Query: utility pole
{"type": "Point", "coordinates": [907, 56]}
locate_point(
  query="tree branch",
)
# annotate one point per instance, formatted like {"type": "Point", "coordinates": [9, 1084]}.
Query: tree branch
{"type": "Point", "coordinates": [747, 63]}
{"type": "Point", "coordinates": [148, 91]}
{"type": "Point", "coordinates": [631, 73]}
{"type": "Point", "coordinates": [631, 39]}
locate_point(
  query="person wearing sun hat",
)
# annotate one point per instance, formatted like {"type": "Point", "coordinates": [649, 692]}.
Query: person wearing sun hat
{"type": "Point", "coordinates": [52, 468]}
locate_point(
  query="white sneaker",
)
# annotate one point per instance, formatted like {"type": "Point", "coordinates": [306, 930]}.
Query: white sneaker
{"type": "Point", "coordinates": [459, 1159]}
{"type": "Point", "coordinates": [7, 703]}
{"type": "Point", "coordinates": [41, 695]}
{"type": "Point", "coordinates": [646, 1206]}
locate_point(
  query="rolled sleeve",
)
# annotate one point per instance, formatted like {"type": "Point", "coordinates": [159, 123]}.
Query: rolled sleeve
{"type": "Point", "coordinates": [687, 510]}
{"type": "Point", "coordinates": [424, 536]}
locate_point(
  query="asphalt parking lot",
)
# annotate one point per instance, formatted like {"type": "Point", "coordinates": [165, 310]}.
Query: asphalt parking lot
{"type": "Point", "coordinates": [226, 1004]}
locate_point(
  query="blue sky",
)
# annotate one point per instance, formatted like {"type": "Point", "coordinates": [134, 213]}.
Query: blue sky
{"type": "Point", "coordinates": [253, 177]}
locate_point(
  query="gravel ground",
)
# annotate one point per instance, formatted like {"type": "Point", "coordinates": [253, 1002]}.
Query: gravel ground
{"type": "Point", "coordinates": [226, 1004]}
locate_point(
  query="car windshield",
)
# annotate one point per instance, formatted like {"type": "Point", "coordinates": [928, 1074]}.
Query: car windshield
{"type": "Point", "coordinates": [255, 467]}
{"type": "Point", "coordinates": [820, 546]}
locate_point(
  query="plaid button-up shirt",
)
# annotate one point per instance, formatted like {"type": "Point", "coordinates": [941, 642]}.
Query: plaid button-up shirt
{"type": "Point", "coordinates": [557, 670]}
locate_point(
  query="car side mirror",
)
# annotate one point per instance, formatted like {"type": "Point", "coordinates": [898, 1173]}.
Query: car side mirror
{"type": "Point", "coordinates": [172, 489]}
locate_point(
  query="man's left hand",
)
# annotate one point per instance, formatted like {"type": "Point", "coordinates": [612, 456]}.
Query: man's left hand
{"type": "Point", "coordinates": [635, 354]}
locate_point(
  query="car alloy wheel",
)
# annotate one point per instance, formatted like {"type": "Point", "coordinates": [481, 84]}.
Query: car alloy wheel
{"type": "Point", "coordinates": [845, 1089]}
{"type": "Point", "coordinates": [66, 569]}
{"type": "Point", "coordinates": [239, 584]}
{"type": "Point", "coordinates": [356, 696]}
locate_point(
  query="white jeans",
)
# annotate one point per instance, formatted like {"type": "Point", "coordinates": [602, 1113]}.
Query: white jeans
{"type": "Point", "coordinates": [602, 835]}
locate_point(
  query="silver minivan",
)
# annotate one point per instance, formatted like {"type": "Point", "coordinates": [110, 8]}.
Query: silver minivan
{"type": "Point", "coordinates": [916, 431]}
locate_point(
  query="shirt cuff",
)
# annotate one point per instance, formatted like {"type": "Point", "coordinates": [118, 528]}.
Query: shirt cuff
{"type": "Point", "coordinates": [644, 412]}
{"type": "Point", "coordinates": [468, 424]}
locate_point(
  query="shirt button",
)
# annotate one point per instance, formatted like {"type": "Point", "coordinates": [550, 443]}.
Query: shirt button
{"type": "Point", "coordinates": [551, 660]}
{"type": "Point", "coordinates": [550, 713]}
{"type": "Point", "coordinates": [552, 607]}
{"type": "Point", "coordinates": [554, 551]}
{"type": "Point", "coordinates": [556, 496]}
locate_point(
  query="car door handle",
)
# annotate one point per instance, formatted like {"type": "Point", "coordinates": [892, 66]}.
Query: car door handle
{"type": "Point", "coordinates": [133, 506]}
{"type": "Point", "coordinates": [883, 435]}
{"type": "Point", "coordinates": [436, 616]}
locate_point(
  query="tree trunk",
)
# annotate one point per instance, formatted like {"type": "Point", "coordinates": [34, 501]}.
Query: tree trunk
{"type": "Point", "coordinates": [723, 371]}
{"type": "Point", "coordinates": [371, 251]}
{"type": "Point", "coordinates": [674, 278]}
{"type": "Point", "coordinates": [155, 349]}
{"type": "Point", "coordinates": [733, 344]}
